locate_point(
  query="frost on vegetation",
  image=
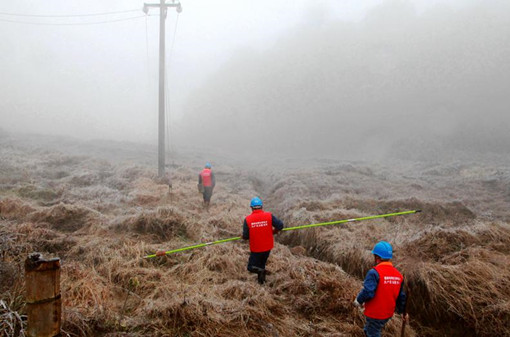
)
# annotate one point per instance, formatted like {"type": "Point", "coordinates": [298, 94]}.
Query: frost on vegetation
{"type": "Point", "coordinates": [163, 223]}
{"type": "Point", "coordinates": [147, 192]}
{"type": "Point", "coordinates": [14, 208]}
{"type": "Point", "coordinates": [12, 323]}
{"type": "Point", "coordinates": [109, 287]}
{"type": "Point", "coordinates": [39, 193]}
{"type": "Point", "coordinates": [66, 218]}
{"type": "Point", "coordinates": [93, 196]}
{"type": "Point", "coordinates": [133, 172]}
{"type": "Point", "coordinates": [59, 161]}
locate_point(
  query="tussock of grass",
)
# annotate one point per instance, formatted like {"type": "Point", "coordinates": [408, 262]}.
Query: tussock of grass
{"type": "Point", "coordinates": [38, 193]}
{"type": "Point", "coordinates": [446, 253]}
{"type": "Point", "coordinates": [11, 208]}
{"type": "Point", "coordinates": [66, 218]}
{"type": "Point", "coordinates": [464, 278]}
{"type": "Point", "coordinates": [455, 273]}
{"type": "Point", "coordinates": [164, 223]}
{"type": "Point", "coordinates": [111, 215]}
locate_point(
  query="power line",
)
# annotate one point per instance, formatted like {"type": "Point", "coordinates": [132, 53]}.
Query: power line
{"type": "Point", "coordinates": [68, 15]}
{"type": "Point", "coordinates": [169, 144]}
{"type": "Point", "coordinates": [173, 39]}
{"type": "Point", "coordinates": [72, 24]}
{"type": "Point", "coordinates": [147, 49]}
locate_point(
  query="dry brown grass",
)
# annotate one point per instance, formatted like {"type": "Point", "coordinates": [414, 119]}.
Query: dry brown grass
{"type": "Point", "coordinates": [164, 223]}
{"type": "Point", "coordinates": [106, 216]}
{"type": "Point", "coordinates": [462, 278]}
{"type": "Point", "coordinates": [66, 218]}
{"type": "Point", "coordinates": [11, 322]}
{"type": "Point", "coordinates": [14, 208]}
{"type": "Point", "coordinates": [457, 268]}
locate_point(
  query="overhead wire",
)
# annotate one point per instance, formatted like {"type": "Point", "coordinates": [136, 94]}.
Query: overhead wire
{"type": "Point", "coordinates": [147, 46]}
{"type": "Point", "coordinates": [147, 62]}
{"type": "Point", "coordinates": [72, 23]}
{"type": "Point", "coordinates": [68, 15]}
{"type": "Point", "coordinates": [169, 144]}
{"type": "Point", "coordinates": [167, 100]}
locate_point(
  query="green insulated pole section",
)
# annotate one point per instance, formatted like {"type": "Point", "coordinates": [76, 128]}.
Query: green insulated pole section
{"type": "Point", "coordinates": [289, 229]}
{"type": "Point", "coordinates": [195, 246]}
{"type": "Point", "coordinates": [352, 220]}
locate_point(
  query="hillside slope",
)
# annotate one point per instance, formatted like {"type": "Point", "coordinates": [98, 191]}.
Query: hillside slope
{"type": "Point", "coordinates": [101, 215]}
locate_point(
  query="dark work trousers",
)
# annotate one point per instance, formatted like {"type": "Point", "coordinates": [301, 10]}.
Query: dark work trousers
{"type": "Point", "coordinates": [257, 260]}
{"type": "Point", "coordinates": [374, 326]}
{"type": "Point", "coordinates": [207, 193]}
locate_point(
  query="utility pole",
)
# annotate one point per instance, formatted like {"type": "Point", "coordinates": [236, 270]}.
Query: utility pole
{"type": "Point", "coordinates": [161, 121]}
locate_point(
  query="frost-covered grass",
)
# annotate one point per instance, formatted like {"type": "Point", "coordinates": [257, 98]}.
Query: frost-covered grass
{"type": "Point", "coordinates": [101, 215]}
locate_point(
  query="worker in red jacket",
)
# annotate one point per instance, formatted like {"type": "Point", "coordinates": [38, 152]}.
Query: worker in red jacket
{"type": "Point", "coordinates": [206, 183]}
{"type": "Point", "coordinates": [258, 228]}
{"type": "Point", "coordinates": [383, 291]}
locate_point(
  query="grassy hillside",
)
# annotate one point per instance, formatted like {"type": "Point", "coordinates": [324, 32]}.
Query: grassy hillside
{"type": "Point", "coordinates": [100, 208]}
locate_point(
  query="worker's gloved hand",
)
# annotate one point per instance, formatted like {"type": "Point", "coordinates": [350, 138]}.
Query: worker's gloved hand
{"type": "Point", "coordinates": [275, 231]}
{"type": "Point", "coordinates": [160, 253]}
{"type": "Point", "coordinates": [358, 305]}
{"type": "Point", "coordinates": [405, 318]}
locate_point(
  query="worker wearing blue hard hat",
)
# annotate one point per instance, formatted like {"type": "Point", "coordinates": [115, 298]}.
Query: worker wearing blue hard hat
{"type": "Point", "coordinates": [259, 227]}
{"type": "Point", "coordinates": [383, 291]}
{"type": "Point", "coordinates": [206, 183]}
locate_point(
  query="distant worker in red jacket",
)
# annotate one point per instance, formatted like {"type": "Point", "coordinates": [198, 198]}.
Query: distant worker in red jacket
{"type": "Point", "coordinates": [259, 227]}
{"type": "Point", "coordinates": [206, 183]}
{"type": "Point", "coordinates": [383, 291]}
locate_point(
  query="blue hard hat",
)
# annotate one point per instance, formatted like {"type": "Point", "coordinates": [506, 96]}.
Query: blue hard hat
{"type": "Point", "coordinates": [208, 165]}
{"type": "Point", "coordinates": [256, 202]}
{"type": "Point", "coordinates": [383, 250]}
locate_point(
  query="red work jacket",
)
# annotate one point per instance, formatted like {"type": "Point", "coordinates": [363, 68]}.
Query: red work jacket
{"type": "Point", "coordinates": [206, 177]}
{"type": "Point", "coordinates": [382, 306]}
{"type": "Point", "coordinates": [260, 224]}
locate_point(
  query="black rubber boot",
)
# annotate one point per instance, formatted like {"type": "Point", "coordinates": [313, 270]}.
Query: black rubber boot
{"type": "Point", "coordinates": [261, 276]}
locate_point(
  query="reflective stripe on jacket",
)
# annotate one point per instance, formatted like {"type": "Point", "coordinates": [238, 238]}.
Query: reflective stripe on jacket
{"type": "Point", "coordinates": [382, 305]}
{"type": "Point", "coordinates": [260, 225]}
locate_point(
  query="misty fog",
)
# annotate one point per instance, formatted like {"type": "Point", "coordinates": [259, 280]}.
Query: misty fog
{"type": "Point", "coordinates": [388, 118]}
{"type": "Point", "coordinates": [373, 80]}
{"type": "Point", "coordinates": [397, 82]}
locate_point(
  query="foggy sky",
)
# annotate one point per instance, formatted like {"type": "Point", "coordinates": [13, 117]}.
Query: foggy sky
{"type": "Point", "coordinates": [100, 81]}
{"type": "Point", "coordinates": [328, 77]}
{"type": "Point", "coordinates": [397, 82]}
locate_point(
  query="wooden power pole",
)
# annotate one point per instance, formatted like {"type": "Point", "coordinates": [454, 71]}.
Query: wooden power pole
{"type": "Point", "coordinates": [161, 121]}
